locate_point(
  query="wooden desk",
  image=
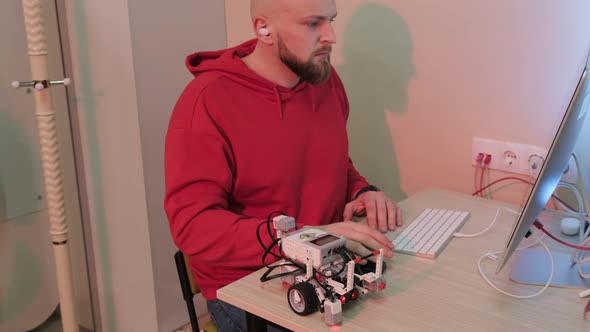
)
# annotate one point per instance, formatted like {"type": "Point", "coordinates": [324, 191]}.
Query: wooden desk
{"type": "Point", "coordinates": [426, 295]}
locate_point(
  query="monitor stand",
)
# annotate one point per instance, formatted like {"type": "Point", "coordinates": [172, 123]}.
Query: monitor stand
{"type": "Point", "coordinates": [532, 266]}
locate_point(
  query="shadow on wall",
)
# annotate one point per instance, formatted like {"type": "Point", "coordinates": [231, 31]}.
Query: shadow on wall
{"type": "Point", "coordinates": [376, 72]}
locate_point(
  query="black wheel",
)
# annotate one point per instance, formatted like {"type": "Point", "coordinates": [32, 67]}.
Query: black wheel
{"type": "Point", "coordinates": [302, 298]}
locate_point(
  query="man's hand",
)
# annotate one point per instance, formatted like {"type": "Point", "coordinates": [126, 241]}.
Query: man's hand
{"type": "Point", "coordinates": [381, 211]}
{"type": "Point", "coordinates": [362, 239]}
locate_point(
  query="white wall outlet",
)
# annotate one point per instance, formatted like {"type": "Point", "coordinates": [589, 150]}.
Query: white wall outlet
{"type": "Point", "coordinates": [535, 163]}
{"type": "Point", "coordinates": [508, 156]}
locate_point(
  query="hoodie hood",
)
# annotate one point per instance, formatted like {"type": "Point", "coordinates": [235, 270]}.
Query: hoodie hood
{"type": "Point", "coordinates": [228, 62]}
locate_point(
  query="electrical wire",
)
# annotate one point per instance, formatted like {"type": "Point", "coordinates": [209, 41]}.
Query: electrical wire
{"type": "Point", "coordinates": [268, 250]}
{"type": "Point", "coordinates": [483, 170]}
{"type": "Point", "coordinates": [488, 179]}
{"type": "Point", "coordinates": [477, 192]}
{"type": "Point", "coordinates": [521, 180]}
{"type": "Point", "coordinates": [581, 209]}
{"type": "Point", "coordinates": [578, 255]}
{"type": "Point", "coordinates": [475, 186]}
{"type": "Point", "coordinates": [490, 225]}
{"type": "Point", "coordinates": [540, 227]}
{"type": "Point", "coordinates": [579, 258]}
{"type": "Point", "coordinates": [259, 238]}
{"type": "Point", "coordinates": [493, 256]}
{"type": "Point", "coordinates": [478, 166]}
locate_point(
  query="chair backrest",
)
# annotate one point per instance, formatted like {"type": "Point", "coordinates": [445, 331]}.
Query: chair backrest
{"type": "Point", "coordinates": [187, 283]}
{"type": "Point", "coordinates": [189, 288]}
{"type": "Point", "coordinates": [194, 288]}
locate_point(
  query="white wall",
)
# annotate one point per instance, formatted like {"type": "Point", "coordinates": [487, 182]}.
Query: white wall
{"type": "Point", "coordinates": [128, 69]}
{"type": "Point", "coordinates": [425, 77]}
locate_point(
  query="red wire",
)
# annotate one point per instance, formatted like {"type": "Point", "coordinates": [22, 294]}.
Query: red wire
{"type": "Point", "coordinates": [521, 180]}
{"type": "Point", "coordinates": [475, 181]}
{"type": "Point", "coordinates": [500, 180]}
{"type": "Point", "coordinates": [483, 170]}
{"type": "Point", "coordinates": [540, 226]}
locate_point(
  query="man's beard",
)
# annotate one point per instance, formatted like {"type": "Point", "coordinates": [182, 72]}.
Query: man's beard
{"type": "Point", "coordinates": [308, 71]}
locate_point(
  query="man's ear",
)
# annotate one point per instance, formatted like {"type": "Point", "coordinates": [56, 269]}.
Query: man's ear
{"type": "Point", "coordinates": [262, 30]}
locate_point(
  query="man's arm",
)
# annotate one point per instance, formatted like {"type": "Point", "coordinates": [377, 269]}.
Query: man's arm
{"type": "Point", "coordinates": [199, 178]}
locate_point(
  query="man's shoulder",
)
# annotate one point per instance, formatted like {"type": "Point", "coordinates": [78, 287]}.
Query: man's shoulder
{"type": "Point", "coordinates": [335, 85]}
{"type": "Point", "coordinates": [201, 83]}
{"type": "Point", "coordinates": [200, 88]}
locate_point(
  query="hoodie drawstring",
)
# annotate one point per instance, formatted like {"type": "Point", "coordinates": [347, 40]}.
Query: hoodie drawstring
{"type": "Point", "coordinates": [279, 103]}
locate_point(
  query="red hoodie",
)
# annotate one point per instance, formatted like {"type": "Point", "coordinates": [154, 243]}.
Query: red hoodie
{"type": "Point", "coordinates": [239, 147]}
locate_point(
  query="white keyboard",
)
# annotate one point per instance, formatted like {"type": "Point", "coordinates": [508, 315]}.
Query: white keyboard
{"type": "Point", "coordinates": [428, 234]}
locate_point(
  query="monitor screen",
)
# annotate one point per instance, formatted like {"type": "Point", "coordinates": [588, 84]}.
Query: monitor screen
{"type": "Point", "coordinates": [555, 163]}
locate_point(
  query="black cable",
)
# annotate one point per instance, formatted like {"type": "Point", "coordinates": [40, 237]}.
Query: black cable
{"type": "Point", "coordinates": [265, 277]}
{"type": "Point", "coordinates": [268, 250]}
{"type": "Point", "coordinates": [262, 244]}
{"type": "Point", "coordinates": [315, 277]}
{"type": "Point", "coordinates": [270, 234]}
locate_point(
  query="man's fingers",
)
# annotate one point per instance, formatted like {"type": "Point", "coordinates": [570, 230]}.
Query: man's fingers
{"type": "Point", "coordinates": [359, 210]}
{"type": "Point", "coordinates": [398, 220]}
{"type": "Point", "coordinates": [359, 232]}
{"type": "Point", "coordinates": [348, 211]}
{"type": "Point", "coordinates": [381, 204]}
{"type": "Point", "coordinates": [392, 213]}
{"type": "Point", "coordinates": [371, 210]}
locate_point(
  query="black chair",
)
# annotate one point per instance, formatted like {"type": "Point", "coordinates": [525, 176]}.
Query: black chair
{"type": "Point", "coordinates": [189, 290]}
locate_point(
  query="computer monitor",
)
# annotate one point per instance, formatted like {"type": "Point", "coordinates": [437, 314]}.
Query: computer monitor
{"type": "Point", "coordinates": [555, 163]}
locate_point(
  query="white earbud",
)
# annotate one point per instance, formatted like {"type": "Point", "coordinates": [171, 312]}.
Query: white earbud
{"type": "Point", "coordinates": [264, 31]}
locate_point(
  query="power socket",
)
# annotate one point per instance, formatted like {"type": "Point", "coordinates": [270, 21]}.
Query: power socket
{"type": "Point", "coordinates": [571, 172]}
{"type": "Point", "coordinates": [508, 156]}
{"type": "Point", "coordinates": [535, 164]}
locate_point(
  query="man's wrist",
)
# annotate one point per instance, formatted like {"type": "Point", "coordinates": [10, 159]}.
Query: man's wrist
{"type": "Point", "coordinates": [365, 189]}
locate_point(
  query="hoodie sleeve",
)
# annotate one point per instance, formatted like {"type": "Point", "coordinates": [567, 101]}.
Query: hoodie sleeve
{"type": "Point", "coordinates": [199, 173]}
{"type": "Point", "coordinates": [355, 180]}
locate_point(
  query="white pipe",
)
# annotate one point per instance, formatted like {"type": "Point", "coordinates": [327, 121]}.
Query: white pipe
{"type": "Point", "coordinates": [46, 124]}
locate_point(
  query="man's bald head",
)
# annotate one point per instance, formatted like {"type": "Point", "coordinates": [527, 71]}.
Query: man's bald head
{"type": "Point", "coordinates": [266, 8]}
